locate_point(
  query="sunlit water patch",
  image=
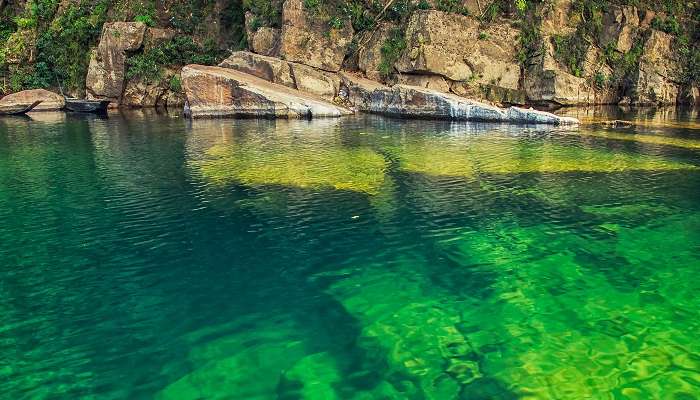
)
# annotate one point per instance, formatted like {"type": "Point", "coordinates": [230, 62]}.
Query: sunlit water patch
{"type": "Point", "coordinates": [144, 256]}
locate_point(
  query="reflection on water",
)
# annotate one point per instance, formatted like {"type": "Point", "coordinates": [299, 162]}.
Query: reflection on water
{"type": "Point", "coordinates": [144, 256]}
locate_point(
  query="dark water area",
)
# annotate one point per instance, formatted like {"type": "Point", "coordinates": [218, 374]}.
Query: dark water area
{"type": "Point", "coordinates": [145, 256]}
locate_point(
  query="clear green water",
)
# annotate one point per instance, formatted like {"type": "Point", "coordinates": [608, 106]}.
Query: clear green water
{"type": "Point", "coordinates": [364, 258]}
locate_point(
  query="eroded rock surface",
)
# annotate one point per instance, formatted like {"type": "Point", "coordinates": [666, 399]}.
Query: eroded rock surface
{"type": "Point", "coordinates": [459, 48]}
{"type": "Point", "coordinates": [223, 92]}
{"type": "Point", "coordinates": [657, 79]}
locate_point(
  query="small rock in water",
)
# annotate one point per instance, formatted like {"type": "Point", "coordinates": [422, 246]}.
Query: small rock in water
{"type": "Point", "coordinates": [617, 123]}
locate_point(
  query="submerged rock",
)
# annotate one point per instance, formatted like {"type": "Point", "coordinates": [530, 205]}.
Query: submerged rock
{"type": "Point", "coordinates": [222, 92]}
{"type": "Point", "coordinates": [50, 101]}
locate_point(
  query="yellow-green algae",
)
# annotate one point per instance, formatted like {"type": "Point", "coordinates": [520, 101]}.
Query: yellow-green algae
{"type": "Point", "coordinates": [497, 155]}
{"type": "Point", "coordinates": [355, 169]}
{"type": "Point", "coordinates": [647, 139]}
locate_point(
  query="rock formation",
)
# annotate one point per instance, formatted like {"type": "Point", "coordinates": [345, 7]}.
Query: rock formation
{"type": "Point", "coordinates": [105, 78]}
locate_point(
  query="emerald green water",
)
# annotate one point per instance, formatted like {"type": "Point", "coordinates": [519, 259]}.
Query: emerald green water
{"type": "Point", "coordinates": [144, 256]}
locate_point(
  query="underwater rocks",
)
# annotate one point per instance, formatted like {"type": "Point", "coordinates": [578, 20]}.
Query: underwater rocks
{"type": "Point", "coordinates": [222, 92]}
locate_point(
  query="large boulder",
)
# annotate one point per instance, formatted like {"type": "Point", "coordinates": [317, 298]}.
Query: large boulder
{"type": "Point", "coordinates": [657, 80]}
{"type": "Point", "coordinates": [50, 101]}
{"type": "Point", "coordinates": [263, 40]}
{"type": "Point", "coordinates": [460, 48]}
{"type": "Point", "coordinates": [293, 75]}
{"type": "Point", "coordinates": [223, 92]}
{"type": "Point", "coordinates": [546, 81]}
{"type": "Point", "coordinates": [105, 77]}
{"type": "Point", "coordinates": [308, 39]}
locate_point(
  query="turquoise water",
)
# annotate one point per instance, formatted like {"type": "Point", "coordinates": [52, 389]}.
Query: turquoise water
{"type": "Point", "coordinates": [145, 256]}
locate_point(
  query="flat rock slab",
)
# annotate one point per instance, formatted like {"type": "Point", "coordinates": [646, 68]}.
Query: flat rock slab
{"type": "Point", "coordinates": [223, 92]}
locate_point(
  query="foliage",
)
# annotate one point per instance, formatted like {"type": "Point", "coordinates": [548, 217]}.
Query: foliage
{"type": "Point", "coordinates": [399, 10]}
{"type": "Point", "coordinates": [360, 18]}
{"type": "Point", "coordinates": [146, 19]}
{"type": "Point", "coordinates": [669, 25]}
{"type": "Point", "coordinates": [483, 36]}
{"type": "Point", "coordinates": [391, 51]}
{"type": "Point", "coordinates": [452, 6]}
{"type": "Point", "coordinates": [600, 79]}
{"type": "Point", "coordinates": [312, 5]}
{"type": "Point", "coordinates": [63, 47]}
{"type": "Point", "coordinates": [175, 84]}
{"type": "Point", "coordinates": [570, 51]}
{"type": "Point", "coordinates": [423, 5]}
{"type": "Point", "coordinates": [336, 23]}
{"type": "Point", "coordinates": [268, 11]}
{"type": "Point", "coordinates": [180, 50]}
{"type": "Point", "coordinates": [623, 64]}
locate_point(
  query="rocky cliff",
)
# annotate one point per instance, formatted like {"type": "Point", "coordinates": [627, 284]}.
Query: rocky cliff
{"type": "Point", "coordinates": [513, 52]}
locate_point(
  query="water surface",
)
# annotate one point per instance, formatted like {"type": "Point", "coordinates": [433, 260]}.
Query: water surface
{"type": "Point", "coordinates": [144, 256]}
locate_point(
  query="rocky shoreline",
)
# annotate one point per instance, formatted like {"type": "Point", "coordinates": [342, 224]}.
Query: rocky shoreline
{"type": "Point", "coordinates": [309, 60]}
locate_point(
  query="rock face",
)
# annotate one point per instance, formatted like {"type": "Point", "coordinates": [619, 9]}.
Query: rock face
{"type": "Point", "coordinates": [263, 40]}
{"type": "Point", "coordinates": [50, 101]}
{"type": "Point", "coordinates": [416, 102]}
{"type": "Point", "coordinates": [223, 92]}
{"type": "Point", "coordinates": [308, 40]}
{"type": "Point", "coordinates": [370, 55]}
{"type": "Point", "coordinates": [547, 82]}
{"type": "Point", "coordinates": [620, 25]}
{"type": "Point", "coordinates": [659, 69]}
{"type": "Point", "coordinates": [459, 48]}
{"type": "Point", "coordinates": [141, 93]}
{"type": "Point", "coordinates": [292, 75]}
{"type": "Point", "coordinates": [105, 77]}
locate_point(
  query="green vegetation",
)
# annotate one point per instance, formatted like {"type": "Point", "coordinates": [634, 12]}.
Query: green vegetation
{"type": "Point", "coordinates": [267, 11]}
{"type": "Point", "coordinates": [175, 84]}
{"type": "Point", "coordinates": [180, 50]}
{"type": "Point", "coordinates": [452, 6]}
{"type": "Point", "coordinates": [570, 51]}
{"type": "Point", "coordinates": [391, 51]}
